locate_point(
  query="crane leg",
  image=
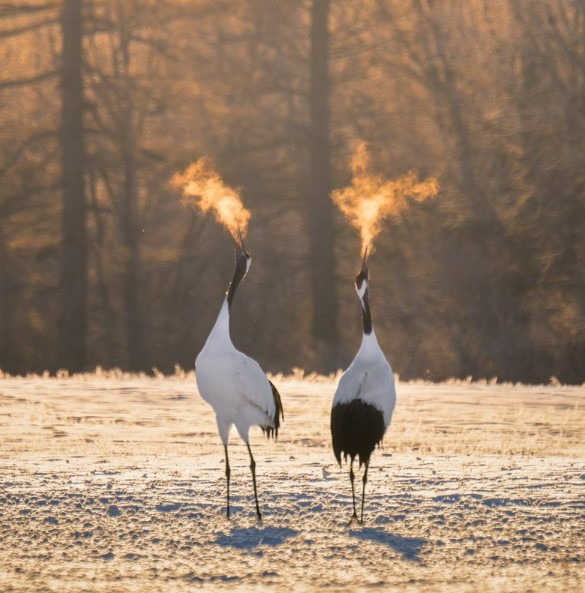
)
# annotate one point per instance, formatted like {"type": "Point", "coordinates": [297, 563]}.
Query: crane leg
{"type": "Point", "coordinates": [351, 479]}
{"type": "Point", "coordinates": [365, 479]}
{"type": "Point", "coordinates": [227, 475]}
{"type": "Point", "coordinates": [253, 468]}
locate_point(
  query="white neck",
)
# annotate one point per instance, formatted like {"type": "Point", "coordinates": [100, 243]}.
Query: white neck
{"type": "Point", "coordinates": [220, 334]}
{"type": "Point", "coordinates": [369, 346]}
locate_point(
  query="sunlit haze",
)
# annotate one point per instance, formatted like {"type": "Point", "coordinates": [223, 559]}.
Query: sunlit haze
{"type": "Point", "coordinates": [204, 189]}
{"type": "Point", "coordinates": [371, 198]}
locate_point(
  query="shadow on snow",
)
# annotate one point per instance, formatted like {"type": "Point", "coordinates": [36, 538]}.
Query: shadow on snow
{"type": "Point", "coordinates": [251, 537]}
{"type": "Point", "coordinates": [409, 547]}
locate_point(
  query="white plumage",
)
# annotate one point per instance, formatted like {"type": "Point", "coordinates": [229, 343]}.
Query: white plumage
{"type": "Point", "coordinates": [365, 397]}
{"type": "Point", "coordinates": [233, 384]}
{"type": "Point", "coordinates": [369, 378]}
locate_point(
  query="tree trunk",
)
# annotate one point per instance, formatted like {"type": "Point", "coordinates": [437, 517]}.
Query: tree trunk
{"type": "Point", "coordinates": [129, 206]}
{"type": "Point", "coordinates": [6, 356]}
{"type": "Point", "coordinates": [320, 207]}
{"type": "Point", "coordinates": [73, 318]}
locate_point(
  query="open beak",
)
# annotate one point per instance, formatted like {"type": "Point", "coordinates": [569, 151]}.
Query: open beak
{"type": "Point", "coordinates": [238, 240]}
{"type": "Point", "coordinates": [365, 262]}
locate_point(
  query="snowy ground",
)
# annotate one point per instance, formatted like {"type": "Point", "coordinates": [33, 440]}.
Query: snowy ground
{"type": "Point", "coordinates": [116, 483]}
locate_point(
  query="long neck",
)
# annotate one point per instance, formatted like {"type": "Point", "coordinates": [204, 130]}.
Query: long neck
{"type": "Point", "coordinates": [220, 334]}
{"type": "Point", "coordinates": [369, 347]}
{"type": "Point", "coordinates": [239, 274]}
{"type": "Point", "coordinates": [366, 315]}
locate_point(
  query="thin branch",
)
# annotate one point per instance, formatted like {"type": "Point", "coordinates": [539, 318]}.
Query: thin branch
{"type": "Point", "coordinates": [7, 33]}
{"type": "Point", "coordinates": [30, 80]}
{"type": "Point", "coordinates": [10, 9]}
{"type": "Point", "coordinates": [28, 143]}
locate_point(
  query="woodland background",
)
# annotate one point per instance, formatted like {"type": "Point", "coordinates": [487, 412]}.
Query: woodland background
{"type": "Point", "coordinates": [102, 101]}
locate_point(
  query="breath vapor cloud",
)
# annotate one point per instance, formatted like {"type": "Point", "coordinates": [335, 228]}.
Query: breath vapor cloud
{"type": "Point", "coordinates": [203, 188]}
{"type": "Point", "coordinates": [370, 198]}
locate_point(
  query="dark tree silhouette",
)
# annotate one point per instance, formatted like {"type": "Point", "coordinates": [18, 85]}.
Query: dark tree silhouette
{"type": "Point", "coordinates": [320, 208]}
{"type": "Point", "coordinates": [73, 318]}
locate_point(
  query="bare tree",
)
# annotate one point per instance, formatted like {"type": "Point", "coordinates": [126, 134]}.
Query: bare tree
{"type": "Point", "coordinates": [73, 319]}
{"type": "Point", "coordinates": [319, 207]}
{"type": "Point", "coordinates": [485, 280]}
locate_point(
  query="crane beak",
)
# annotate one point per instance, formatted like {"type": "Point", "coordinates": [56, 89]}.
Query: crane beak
{"type": "Point", "coordinates": [238, 240]}
{"type": "Point", "coordinates": [241, 239]}
{"type": "Point", "coordinates": [365, 261]}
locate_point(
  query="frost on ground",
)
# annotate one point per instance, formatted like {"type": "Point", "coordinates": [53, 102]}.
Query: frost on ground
{"type": "Point", "coordinates": [116, 483]}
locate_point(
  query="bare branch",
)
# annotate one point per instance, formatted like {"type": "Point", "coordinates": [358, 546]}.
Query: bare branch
{"type": "Point", "coordinates": [30, 80]}
{"type": "Point", "coordinates": [28, 143]}
{"type": "Point", "coordinates": [10, 9]}
{"type": "Point", "coordinates": [6, 33]}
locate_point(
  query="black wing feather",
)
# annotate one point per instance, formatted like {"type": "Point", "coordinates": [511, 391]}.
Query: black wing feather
{"type": "Point", "coordinates": [279, 413]}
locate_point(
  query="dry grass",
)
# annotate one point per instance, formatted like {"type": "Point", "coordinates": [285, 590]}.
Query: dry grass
{"type": "Point", "coordinates": [452, 418]}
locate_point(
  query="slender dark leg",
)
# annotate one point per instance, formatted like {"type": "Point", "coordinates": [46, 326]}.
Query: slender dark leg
{"type": "Point", "coordinates": [253, 468]}
{"type": "Point", "coordinates": [227, 475]}
{"type": "Point", "coordinates": [351, 479]}
{"type": "Point", "coordinates": [365, 479]}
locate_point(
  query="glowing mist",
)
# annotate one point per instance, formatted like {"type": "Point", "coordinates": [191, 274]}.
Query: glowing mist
{"type": "Point", "coordinates": [204, 189]}
{"type": "Point", "coordinates": [370, 198]}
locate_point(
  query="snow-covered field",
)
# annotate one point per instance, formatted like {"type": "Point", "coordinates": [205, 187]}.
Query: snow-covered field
{"type": "Point", "coordinates": [116, 483]}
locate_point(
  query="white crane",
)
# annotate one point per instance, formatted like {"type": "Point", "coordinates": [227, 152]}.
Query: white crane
{"type": "Point", "coordinates": [365, 397]}
{"type": "Point", "coordinates": [233, 384]}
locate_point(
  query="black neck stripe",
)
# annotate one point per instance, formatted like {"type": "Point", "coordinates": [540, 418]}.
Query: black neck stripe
{"type": "Point", "coordinates": [366, 315]}
{"type": "Point", "coordinates": [239, 273]}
